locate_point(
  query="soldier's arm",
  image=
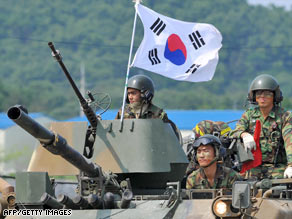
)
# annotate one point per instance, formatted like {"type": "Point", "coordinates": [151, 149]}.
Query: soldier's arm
{"type": "Point", "coordinates": [241, 126]}
{"type": "Point", "coordinates": [177, 132]}
{"type": "Point", "coordinates": [157, 112]}
{"type": "Point", "coordinates": [233, 176]}
{"type": "Point", "coordinates": [287, 135]}
{"type": "Point", "coordinates": [190, 183]}
{"type": "Point", "coordinates": [163, 116]}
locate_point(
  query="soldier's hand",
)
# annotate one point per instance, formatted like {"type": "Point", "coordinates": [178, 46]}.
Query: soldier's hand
{"type": "Point", "coordinates": [288, 172]}
{"type": "Point", "coordinates": [248, 141]}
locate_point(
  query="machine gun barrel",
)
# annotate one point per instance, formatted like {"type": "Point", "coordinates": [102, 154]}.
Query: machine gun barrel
{"type": "Point", "coordinates": [54, 143]}
{"type": "Point", "coordinates": [90, 114]}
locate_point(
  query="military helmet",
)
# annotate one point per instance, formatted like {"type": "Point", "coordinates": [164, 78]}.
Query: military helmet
{"type": "Point", "coordinates": [210, 127]}
{"type": "Point", "coordinates": [207, 139]}
{"type": "Point", "coordinates": [265, 82]}
{"type": "Point", "coordinates": [144, 84]}
{"type": "Point", "coordinates": [222, 128]}
{"type": "Point", "coordinates": [203, 127]}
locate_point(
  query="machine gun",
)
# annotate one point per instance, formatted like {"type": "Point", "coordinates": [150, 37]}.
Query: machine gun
{"type": "Point", "coordinates": [104, 104]}
{"type": "Point", "coordinates": [235, 153]}
{"type": "Point", "coordinates": [96, 189]}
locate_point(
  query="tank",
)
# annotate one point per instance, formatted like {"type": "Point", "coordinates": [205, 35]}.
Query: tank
{"type": "Point", "coordinates": [131, 168]}
{"type": "Point", "coordinates": [136, 172]}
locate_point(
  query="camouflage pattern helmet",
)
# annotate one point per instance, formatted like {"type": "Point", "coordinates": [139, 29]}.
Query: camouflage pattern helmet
{"type": "Point", "coordinates": [210, 127]}
{"type": "Point", "coordinates": [144, 84]}
{"type": "Point", "coordinates": [265, 82]}
{"type": "Point", "coordinates": [222, 128]}
{"type": "Point", "coordinates": [203, 127]}
{"type": "Point", "coordinates": [209, 139]}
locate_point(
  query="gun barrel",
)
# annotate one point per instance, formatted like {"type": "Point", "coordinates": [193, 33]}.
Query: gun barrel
{"type": "Point", "coordinates": [90, 114]}
{"type": "Point", "coordinates": [56, 144]}
{"type": "Point", "coordinates": [28, 124]}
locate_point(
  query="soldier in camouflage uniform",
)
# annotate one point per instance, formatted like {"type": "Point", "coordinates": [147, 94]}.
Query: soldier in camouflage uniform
{"type": "Point", "coordinates": [276, 127]}
{"type": "Point", "coordinates": [211, 174]}
{"type": "Point", "coordinates": [140, 92]}
{"type": "Point", "coordinates": [219, 129]}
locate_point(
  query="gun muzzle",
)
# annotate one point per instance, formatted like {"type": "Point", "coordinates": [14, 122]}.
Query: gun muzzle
{"type": "Point", "coordinates": [126, 198]}
{"type": "Point", "coordinates": [51, 201]}
{"type": "Point", "coordinates": [28, 124]}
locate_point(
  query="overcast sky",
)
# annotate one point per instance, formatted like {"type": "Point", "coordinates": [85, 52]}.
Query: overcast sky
{"type": "Point", "coordinates": [284, 3]}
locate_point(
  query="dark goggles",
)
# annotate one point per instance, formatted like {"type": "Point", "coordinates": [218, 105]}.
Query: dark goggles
{"type": "Point", "coordinates": [265, 93]}
{"type": "Point", "coordinates": [204, 141]}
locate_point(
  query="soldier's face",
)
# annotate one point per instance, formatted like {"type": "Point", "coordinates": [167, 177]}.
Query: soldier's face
{"type": "Point", "coordinates": [265, 98]}
{"type": "Point", "coordinates": [134, 95]}
{"type": "Point", "coordinates": [205, 154]}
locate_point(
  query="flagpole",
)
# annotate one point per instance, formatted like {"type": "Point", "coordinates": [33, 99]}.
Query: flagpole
{"type": "Point", "coordinates": [128, 67]}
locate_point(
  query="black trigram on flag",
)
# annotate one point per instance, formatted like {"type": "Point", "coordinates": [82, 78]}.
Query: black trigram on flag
{"type": "Point", "coordinates": [152, 55]}
{"type": "Point", "coordinates": [196, 39]}
{"type": "Point", "coordinates": [193, 68]}
{"type": "Point", "coordinates": [158, 26]}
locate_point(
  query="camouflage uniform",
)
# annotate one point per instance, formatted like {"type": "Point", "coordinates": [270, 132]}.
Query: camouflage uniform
{"type": "Point", "coordinates": [193, 165]}
{"type": "Point", "coordinates": [149, 111]}
{"type": "Point", "coordinates": [275, 139]}
{"type": "Point", "coordinates": [224, 178]}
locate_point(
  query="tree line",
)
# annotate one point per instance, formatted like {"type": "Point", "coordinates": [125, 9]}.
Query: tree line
{"type": "Point", "coordinates": [97, 34]}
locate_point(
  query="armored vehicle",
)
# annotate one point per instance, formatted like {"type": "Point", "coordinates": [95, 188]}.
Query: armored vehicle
{"type": "Point", "coordinates": [129, 169]}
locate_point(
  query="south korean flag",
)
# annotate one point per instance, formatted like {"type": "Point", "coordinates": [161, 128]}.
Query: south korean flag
{"type": "Point", "coordinates": [176, 49]}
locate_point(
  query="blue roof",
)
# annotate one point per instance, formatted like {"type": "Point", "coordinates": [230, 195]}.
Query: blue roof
{"type": "Point", "coordinates": [184, 119]}
{"type": "Point", "coordinates": [187, 119]}
{"type": "Point", "coordinates": [5, 122]}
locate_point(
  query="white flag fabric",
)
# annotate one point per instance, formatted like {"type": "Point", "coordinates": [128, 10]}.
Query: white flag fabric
{"type": "Point", "coordinates": [176, 49]}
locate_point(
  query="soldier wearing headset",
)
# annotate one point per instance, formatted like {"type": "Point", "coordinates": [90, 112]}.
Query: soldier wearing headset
{"type": "Point", "coordinates": [276, 128]}
{"type": "Point", "coordinates": [211, 174]}
{"type": "Point", "coordinates": [140, 92]}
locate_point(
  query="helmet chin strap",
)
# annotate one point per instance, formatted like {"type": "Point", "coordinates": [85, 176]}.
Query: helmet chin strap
{"type": "Point", "coordinates": [213, 161]}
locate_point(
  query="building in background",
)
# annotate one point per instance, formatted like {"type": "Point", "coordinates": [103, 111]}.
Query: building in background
{"type": "Point", "coordinates": [16, 145]}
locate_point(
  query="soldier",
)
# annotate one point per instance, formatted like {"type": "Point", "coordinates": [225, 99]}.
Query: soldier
{"type": "Point", "coordinates": [276, 126]}
{"type": "Point", "coordinates": [211, 174]}
{"type": "Point", "coordinates": [140, 93]}
{"type": "Point", "coordinates": [219, 129]}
